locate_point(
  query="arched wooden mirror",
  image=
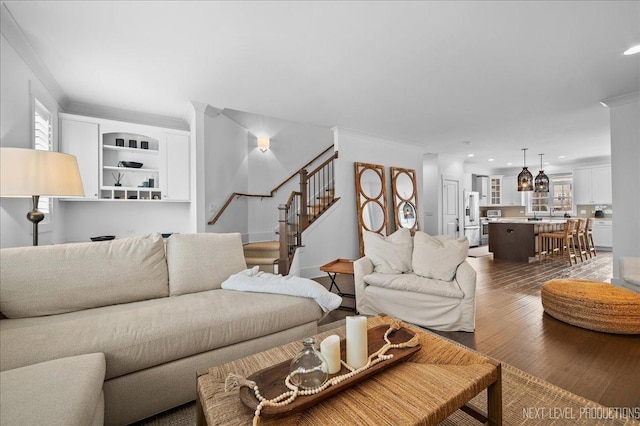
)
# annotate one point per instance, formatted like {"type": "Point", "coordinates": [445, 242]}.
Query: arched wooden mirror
{"type": "Point", "coordinates": [371, 198]}
{"type": "Point", "coordinates": [405, 198]}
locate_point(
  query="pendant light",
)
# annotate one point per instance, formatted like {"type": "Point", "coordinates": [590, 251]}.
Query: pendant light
{"type": "Point", "coordinates": [407, 211]}
{"type": "Point", "coordinates": [542, 180]}
{"type": "Point", "coordinates": [525, 178]}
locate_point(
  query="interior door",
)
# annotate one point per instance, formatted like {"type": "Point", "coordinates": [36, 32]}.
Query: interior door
{"type": "Point", "coordinates": [450, 210]}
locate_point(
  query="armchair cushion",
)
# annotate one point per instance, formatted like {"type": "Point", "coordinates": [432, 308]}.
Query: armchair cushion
{"type": "Point", "coordinates": [389, 255]}
{"type": "Point", "coordinates": [415, 283]}
{"type": "Point", "coordinates": [438, 257]}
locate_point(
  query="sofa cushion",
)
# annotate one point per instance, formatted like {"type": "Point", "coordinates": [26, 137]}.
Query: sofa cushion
{"type": "Point", "coordinates": [199, 262]}
{"type": "Point", "coordinates": [64, 391]}
{"type": "Point", "coordinates": [139, 335]}
{"type": "Point", "coordinates": [415, 283]}
{"type": "Point", "coordinates": [438, 257]}
{"type": "Point", "coordinates": [389, 255]}
{"type": "Point", "coordinates": [47, 280]}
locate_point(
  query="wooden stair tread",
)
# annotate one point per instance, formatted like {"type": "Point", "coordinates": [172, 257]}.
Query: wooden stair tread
{"type": "Point", "coordinates": [260, 260]}
{"type": "Point", "coordinates": [262, 245]}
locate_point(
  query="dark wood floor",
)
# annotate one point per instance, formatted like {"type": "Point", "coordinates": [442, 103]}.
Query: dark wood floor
{"type": "Point", "coordinates": [511, 326]}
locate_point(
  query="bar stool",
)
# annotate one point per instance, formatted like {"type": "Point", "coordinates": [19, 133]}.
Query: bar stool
{"type": "Point", "coordinates": [591, 247]}
{"type": "Point", "coordinates": [579, 238]}
{"type": "Point", "coordinates": [550, 243]}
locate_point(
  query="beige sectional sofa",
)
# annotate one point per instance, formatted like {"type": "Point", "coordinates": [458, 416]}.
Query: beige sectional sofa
{"type": "Point", "coordinates": [157, 314]}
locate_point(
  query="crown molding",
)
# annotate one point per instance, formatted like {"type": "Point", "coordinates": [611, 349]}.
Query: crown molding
{"type": "Point", "coordinates": [126, 115]}
{"type": "Point", "coordinates": [343, 131]}
{"type": "Point", "coordinates": [16, 38]}
{"type": "Point", "coordinates": [621, 100]}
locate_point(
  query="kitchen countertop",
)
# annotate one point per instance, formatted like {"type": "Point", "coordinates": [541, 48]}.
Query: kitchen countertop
{"type": "Point", "coordinates": [524, 220]}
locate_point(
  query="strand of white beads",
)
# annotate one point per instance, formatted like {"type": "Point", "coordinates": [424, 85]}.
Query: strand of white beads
{"type": "Point", "coordinates": [288, 397]}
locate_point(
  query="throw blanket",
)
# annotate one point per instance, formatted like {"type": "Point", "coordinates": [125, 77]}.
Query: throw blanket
{"type": "Point", "coordinates": [261, 282]}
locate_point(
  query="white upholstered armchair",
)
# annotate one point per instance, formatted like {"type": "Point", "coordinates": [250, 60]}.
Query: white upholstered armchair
{"type": "Point", "coordinates": [438, 304]}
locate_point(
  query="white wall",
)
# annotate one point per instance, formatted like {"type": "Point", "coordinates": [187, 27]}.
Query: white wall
{"type": "Point", "coordinates": [292, 146]}
{"type": "Point", "coordinates": [337, 237]}
{"type": "Point", "coordinates": [85, 219]}
{"type": "Point", "coordinates": [435, 167]}
{"type": "Point", "coordinates": [18, 85]}
{"type": "Point", "coordinates": [225, 171]}
{"type": "Point", "coordinates": [625, 177]}
{"type": "Point", "coordinates": [233, 163]}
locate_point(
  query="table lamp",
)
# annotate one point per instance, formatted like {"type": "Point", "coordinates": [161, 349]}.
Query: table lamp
{"type": "Point", "coordinates": [34, 173]}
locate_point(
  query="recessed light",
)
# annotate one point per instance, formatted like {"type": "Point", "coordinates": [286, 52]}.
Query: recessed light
{"type": "Point", "coordinates": [509, 164]}
{"type": "Point", "coordinates": [546, 163]}
{"type": "Point", "coordinates": [470, 155]}
{"type": "Point", "coordinates": [632, 50]}
{"type": "Point", "coordinates": [562, 156]}
{"type": "Point", "coordinates": [490, 159]}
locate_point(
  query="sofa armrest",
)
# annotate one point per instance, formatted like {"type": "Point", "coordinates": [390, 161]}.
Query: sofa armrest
{"type": "Point", "coordinates": [466, 279]}
{"type": "Point", "coordinates": [361, 268]}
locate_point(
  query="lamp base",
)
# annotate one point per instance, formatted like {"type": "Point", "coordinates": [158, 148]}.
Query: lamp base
{"type": "Point", "coordinates": [35, 216]}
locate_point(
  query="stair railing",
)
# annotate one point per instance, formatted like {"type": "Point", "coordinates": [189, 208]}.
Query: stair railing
{"type": "Point", "coordinates": [237, 195]}
{"type": "Point", "coordinates": [316, 195]}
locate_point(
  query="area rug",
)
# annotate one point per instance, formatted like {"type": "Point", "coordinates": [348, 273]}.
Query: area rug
{"type": "Point", "coordinates": [526, 400]}
{"type": "Point", "coordinates": [479, 251]}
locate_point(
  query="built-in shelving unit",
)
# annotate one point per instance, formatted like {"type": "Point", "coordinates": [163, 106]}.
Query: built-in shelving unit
{"type": "Point", "coordinates": [136, 183]}
{"type": "Point", "coordinates": [164, 154]}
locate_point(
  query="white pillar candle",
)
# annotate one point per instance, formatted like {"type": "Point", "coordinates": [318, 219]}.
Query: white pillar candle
{"type": "Point", "coordinates": [330, 349]}
{"type": "Point", "coordinates": [357, 347]}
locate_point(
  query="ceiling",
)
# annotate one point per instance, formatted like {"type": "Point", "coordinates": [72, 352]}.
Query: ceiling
{"type": "Point", "coordinates": [484, 78]}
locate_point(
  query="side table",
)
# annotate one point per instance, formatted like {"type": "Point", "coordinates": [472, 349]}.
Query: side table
{"type": "Point", "coordinates": [335, 267]}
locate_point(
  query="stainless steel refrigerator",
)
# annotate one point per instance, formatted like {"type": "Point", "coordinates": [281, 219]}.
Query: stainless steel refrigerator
{"type": "Point", "coordinates": [472, 217]}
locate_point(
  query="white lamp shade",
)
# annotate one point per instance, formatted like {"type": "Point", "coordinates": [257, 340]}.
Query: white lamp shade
{"type": "Point", "coordinates": [28, 172]}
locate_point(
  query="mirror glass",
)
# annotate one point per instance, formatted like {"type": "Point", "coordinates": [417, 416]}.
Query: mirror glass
{"type": "Point", "coordinates": [407, 215]}
{"type": "Point", "coordinates": [405, 198]}
{"type": "Point", "coordinates": [372, 216]}
{"type": "Point", "coordinates": [371, 184]}
{"type": "Point", "coordinates": [404, 186]}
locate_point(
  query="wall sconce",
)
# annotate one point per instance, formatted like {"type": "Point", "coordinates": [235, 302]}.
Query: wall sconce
{"type": "Point", "coordinates": [263, 144]}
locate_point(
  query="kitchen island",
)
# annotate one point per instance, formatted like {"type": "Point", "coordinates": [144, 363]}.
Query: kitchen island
{"type": "Point", "coordinates": [516, 239]}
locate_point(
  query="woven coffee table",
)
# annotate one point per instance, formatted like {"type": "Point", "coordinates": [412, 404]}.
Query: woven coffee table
{"type": "Point", "coordinates": [426, 389]}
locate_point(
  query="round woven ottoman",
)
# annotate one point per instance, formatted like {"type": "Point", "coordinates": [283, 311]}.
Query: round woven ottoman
{"type": "Point", "coordinates": [593, 305]}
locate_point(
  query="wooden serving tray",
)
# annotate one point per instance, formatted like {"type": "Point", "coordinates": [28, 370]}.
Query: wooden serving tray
{"type": "Point", "coordinates": [270, 380]}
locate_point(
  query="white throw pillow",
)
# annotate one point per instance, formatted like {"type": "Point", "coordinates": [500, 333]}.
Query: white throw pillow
{"type": "Point", "coordinates": [438, 257]}
{"type": "Point", "coordinates": [389, 255]}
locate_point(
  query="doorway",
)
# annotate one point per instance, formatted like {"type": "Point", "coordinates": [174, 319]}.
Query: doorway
{"type": "Point", "coordinates": [450, 207]}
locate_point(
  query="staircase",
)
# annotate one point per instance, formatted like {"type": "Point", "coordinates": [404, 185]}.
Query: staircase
{"type": "Point", "coordinates": [262, 254]}
{"type": "Point", "coordinates": [303, 207]}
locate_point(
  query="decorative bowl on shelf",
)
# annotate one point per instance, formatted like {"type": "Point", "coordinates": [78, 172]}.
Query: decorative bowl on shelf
{"type": "Point", "coordinates": [103, 238]}
{"type": "Point", "coordinates": [130, 164]}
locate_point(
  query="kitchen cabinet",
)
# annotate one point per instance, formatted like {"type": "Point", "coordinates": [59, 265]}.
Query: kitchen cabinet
{"type": "Point", "coordinates": [603, 233]}
{"type": "Point", "coordinates": [175, 167]}
{"type": "Point", "coordinates": [81, 139]}
{"type": "Point", "coordinates": [592, 185]}
{"type": "Point", "coordinates": [482, 188]}
{"type": "Point", "coordinates": [108, 151]}
{"type": "Point", "coordinates": [495, 190]}
{"type": "Point", "coordinates": [510, 194]}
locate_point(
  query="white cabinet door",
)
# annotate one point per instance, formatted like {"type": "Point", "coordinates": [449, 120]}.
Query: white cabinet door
{"type": "Point", "coordinates": [592, 186]}
{"type": "Point", "coordinates": [510, 194]}
{"type": "Point", "coordinates": [482, 185]}
{"type": "Point", "coordinates": [177, 173]}
{"type": "Point", "coordinates": [601, 185]}
{"type": "Point", "coordinates": [582, 186]}
{"type": "Point", "coordinates": [603, 234]}
{"type": "Point", "coordinates": [81, 139]}
{"type": "Point", "coordinates": [496, 191]}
